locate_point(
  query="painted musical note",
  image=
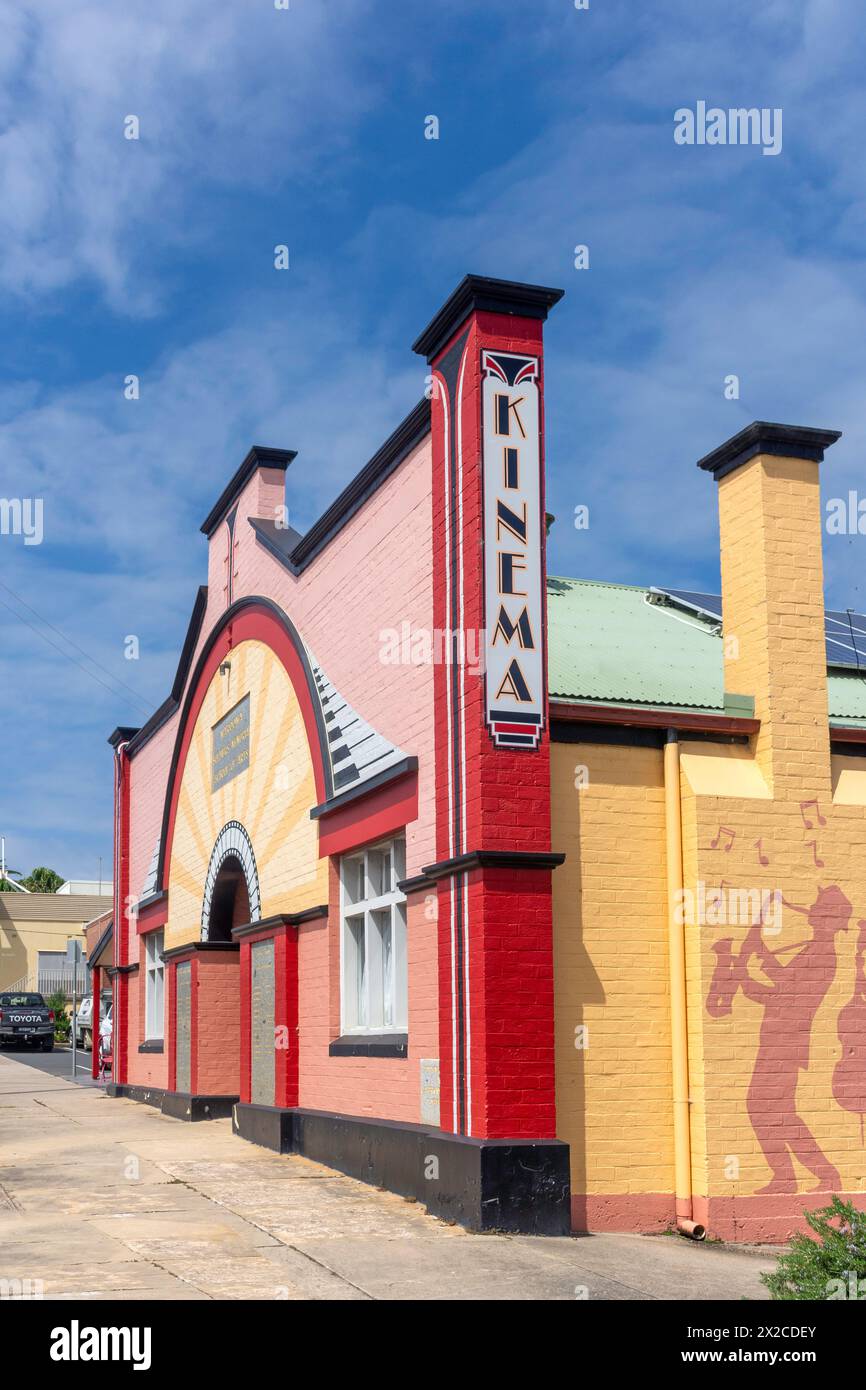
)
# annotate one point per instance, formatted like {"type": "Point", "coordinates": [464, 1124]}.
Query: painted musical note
{"type": "Point", "coordinates": [723, 830]}
{"type": "Point", "coordinates": [762, 858]}
{"type": "Point", "coordinates": [806, 821]}
{"type": "Point", "coordinates": [819, 863]}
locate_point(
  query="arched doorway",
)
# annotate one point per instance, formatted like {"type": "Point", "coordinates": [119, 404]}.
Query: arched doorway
{"type": "Point", "coordinates": [230, 901]}
{"type": "Point", "coordinates": [231, 894]}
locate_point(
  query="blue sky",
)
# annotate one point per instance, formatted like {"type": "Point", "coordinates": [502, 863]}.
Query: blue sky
{"type": "Point", "coordinates": [306, 127]}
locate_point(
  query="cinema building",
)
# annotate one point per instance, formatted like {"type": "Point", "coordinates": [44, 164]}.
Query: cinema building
{"type": "Point", "coordinates": [535, 899]}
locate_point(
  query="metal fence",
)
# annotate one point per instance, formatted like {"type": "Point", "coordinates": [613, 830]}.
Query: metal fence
{"type": "Point", "coordinates": [53, 979]}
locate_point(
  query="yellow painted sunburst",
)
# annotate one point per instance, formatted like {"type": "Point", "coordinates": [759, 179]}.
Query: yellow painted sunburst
{"type": "Point", "coordinates": [270, 799]}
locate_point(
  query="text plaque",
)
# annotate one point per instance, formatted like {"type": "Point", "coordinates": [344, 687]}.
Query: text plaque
{"type": "Point", "coordinates": [230, 753]}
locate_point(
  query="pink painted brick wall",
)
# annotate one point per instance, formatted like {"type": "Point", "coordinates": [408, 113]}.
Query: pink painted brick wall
{"type": "Point", "coordinates": [375, 575]}
{"type": "Point", "coordinates": [217, 1013]}
{"type": "Point", "coordinates": [381, 1086]}
{"type": "Point", "coordinates": [145, 1068]}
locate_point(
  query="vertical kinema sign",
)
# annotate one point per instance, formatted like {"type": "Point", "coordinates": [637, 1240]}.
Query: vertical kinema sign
{"type": "Point", "coordinates": [493, 857]}
{"type": "Point", "coordinates": [513, 599]}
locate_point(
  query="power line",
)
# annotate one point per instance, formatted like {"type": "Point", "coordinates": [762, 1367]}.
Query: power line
{"type": "Point", "coordinates": [90, 658]}
{"type": "Point", "coordinates": [68, 655]}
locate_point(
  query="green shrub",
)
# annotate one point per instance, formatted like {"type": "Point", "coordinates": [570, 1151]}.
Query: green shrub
{"type": "Point", "coordinates": [62, 1021]}
{"type": "Point", "coordinates": [827, 1267]}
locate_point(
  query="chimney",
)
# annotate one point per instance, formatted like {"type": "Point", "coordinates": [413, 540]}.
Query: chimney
{"type": "Point", "coordinates": [770, 524]}
{"type": "Point", "coordinates": [262, 478]}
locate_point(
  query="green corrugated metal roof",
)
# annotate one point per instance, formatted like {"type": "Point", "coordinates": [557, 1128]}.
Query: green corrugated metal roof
{"type": "Point", "coordinates": [607, 642]}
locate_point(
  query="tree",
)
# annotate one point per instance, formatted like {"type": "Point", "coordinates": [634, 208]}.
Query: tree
{"type": "Point", "coordinates": [831, 1264]}
{"type": "Point", "coordinates": [43, 880]}
{"type": "Point", "coordinates": [62, 1021]}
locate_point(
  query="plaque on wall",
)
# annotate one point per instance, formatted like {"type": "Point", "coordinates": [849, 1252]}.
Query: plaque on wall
{"type": "Point", "coordinates": [430, 1091]}
{"type": "Point", "coordinates": [183, 1030]}
{"type": "Point", "coordinates": [230, 749]}
{"type": "Point", "coordinates": [262, 1024]}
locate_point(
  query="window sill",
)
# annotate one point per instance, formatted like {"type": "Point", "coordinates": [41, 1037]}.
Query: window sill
{"type": "Point", "coordinates": [370, 1045]}
{"type": "Point", "coordinates": [152, 1045]}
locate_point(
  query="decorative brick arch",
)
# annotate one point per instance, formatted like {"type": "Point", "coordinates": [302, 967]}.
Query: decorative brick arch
{"type": "Point", "coordinates": [253, 619]}
{"type": "Point", "coordinates": [233, 842]}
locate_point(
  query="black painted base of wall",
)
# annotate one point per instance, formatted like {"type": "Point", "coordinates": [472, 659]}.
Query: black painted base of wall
{"type": "Point", "coordinates": [267, 1125]}
{"type": "Point", "coordinates": [177, 1104]}
{"type": "Point", "coordinates": [483, 1184]}
{"type": "Point", "coordinates": [185, 1107]}
{"type": "Point", "coordinates": [146, 1095]}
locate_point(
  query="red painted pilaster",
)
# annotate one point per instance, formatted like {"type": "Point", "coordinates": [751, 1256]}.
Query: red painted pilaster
{"type": "Point", "coordinates": [286, 966]}
{"type": "Point", "coordinates": [246, 1022]}
{"type": "Point", "coordinates": [120, 987]}
{"type": "Point", "coordinates": [284, 933]}
{"type": "Point", "coordinates": [171, 1040]}
{"type": "Point", "coordinates": [492, 745]}
{"type": "Point", "coordinates": [193, 1025]}
{"type": "Point", "coordinates": [94, 1051]}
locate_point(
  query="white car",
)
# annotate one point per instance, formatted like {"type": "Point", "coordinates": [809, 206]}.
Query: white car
{"type": "Point", "coordinates": [84, 1020]}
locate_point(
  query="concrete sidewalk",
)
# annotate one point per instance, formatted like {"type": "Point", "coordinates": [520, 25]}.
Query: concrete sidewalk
{"type": "Point", "coordinates": [107, 1199]}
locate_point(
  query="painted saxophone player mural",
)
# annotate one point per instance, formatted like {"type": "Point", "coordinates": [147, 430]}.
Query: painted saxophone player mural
{"type": "Point", "coordinates": [789, 984]}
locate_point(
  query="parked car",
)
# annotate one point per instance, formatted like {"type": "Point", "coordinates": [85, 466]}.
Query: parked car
{"type": "Point", "coordinates": [26, 1021]}
{"type": "Point", "coordinates": [83, 1023]}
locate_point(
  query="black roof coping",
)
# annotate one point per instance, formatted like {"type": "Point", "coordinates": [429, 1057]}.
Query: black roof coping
{"type": "Point", "coordinates": [138, 737]}
{"type": "Point", "coordinates": [103, 941]}
{"type": "Point", "coordinates": [279, 540]}
{"type": "Point", "coordinates": [763, 437]}
{"type": "Point", "coordinates": [189, 642]}
{"type": "Point", "coordinates": [490, 296]}
{"type": "Point", "coordinates": [122, 734]}
{"type": "Point", "coordinates": [259, 456]}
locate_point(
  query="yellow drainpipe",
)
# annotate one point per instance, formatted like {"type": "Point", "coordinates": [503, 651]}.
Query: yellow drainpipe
{"type": "Point", "coordinates": [679, 1023]}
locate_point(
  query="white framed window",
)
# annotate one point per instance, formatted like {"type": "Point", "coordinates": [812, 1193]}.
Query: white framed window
{"type": "Point", "coordinates": [154, 985]}
{"type": "Point", "coordinates": [373, 940]}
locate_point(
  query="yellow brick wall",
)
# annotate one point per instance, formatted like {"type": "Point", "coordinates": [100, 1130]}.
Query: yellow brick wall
{"type": "Point", "coordinates": [788, 1039]}
{"type": "Point", "coordinates": [694, 1000]}
{"type": "Point", "coordinates": [773, 610]}
{"type": "Point", "coordinates": [778, 822]}
{"type": "Point", "coordinates": [271, 798]}
{"type": "Point", "coordinates": [611, 969]}
{"type": "Point", "coordinates": [734, 1163]}
{"type": "Point", "coordinates": [611, 960]}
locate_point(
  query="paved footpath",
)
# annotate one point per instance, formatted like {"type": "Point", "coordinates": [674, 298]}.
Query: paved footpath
{"type": "Point", "coordinates": [108, 1199]}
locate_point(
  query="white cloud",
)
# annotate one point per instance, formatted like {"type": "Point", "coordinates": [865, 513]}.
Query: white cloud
{"type": "Point", "coordinates": [228, 96]}
{"type": "Point", "coordinates": [700, 267]}
{"type": "Point", "coordinates": [125, 486]}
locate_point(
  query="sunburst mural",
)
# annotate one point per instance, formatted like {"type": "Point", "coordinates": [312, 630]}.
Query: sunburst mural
{"type": "Point", "coordinates": [267, 801]}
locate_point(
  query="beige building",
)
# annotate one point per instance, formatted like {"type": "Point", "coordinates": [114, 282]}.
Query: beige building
{"type": "Point", "coordinates": [34, 930]}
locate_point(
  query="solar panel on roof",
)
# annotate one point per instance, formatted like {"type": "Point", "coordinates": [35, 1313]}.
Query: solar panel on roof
{"type": "Point", "coordinates": [710, 605]}
{"type": "Point", "coordinates": [845, 632]}
{"type": "Point", "coordinates": [846, 635]}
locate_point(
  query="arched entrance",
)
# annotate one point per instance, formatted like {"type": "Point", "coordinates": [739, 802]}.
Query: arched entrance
{"type": "Point", "coordinates": [230, 903]}
{"type": "Point", "coordinates": [231, 893]}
